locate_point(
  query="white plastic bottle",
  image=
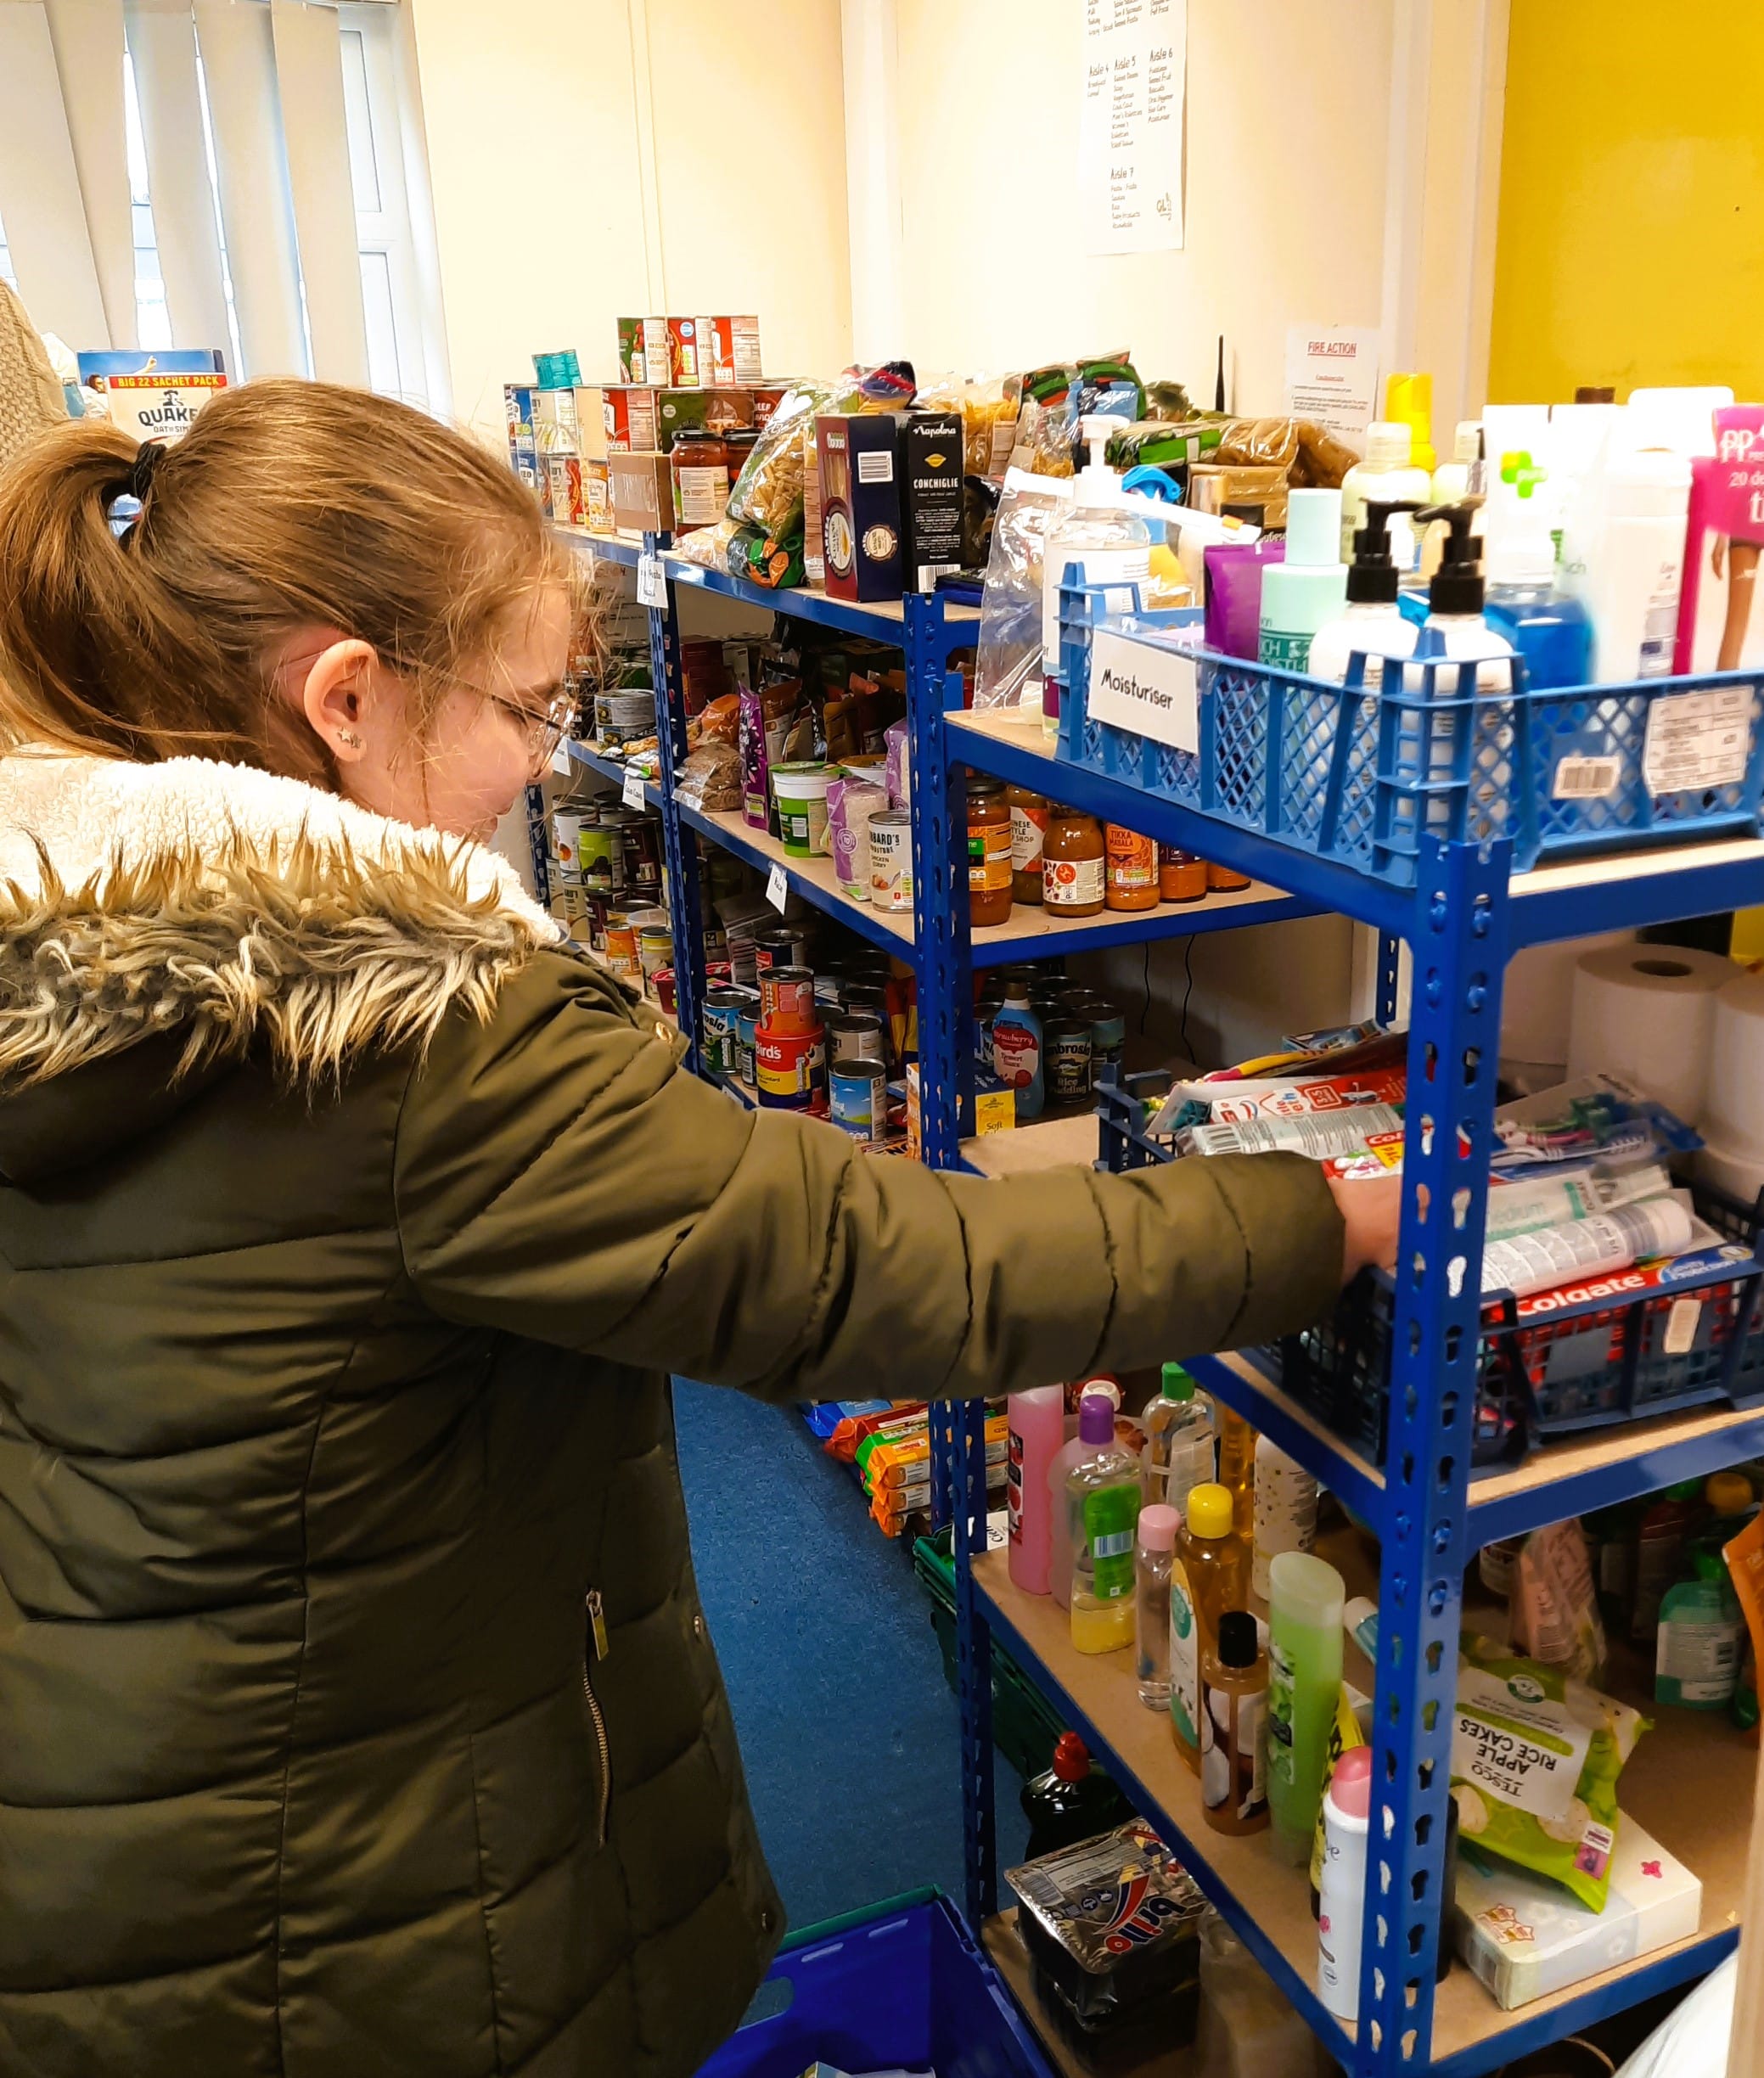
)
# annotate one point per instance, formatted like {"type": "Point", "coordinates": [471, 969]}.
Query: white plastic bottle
{"type": "Point", "coordinates": [1341, 1894]}
{"type": "Point", "coordinates": [1452, 479]}
{"type": "Point", "coordinates": [1286, 1510]}
{"type": "Point", "coordinates": [1112, 545]}
{"type": "Point", "coordinates": [1371, 621]}
{"type": "Point", "coordinates": [1387, 474]}
{"type": "Point", "coordinates": [1179, 1451]}
{"type": "Point", "coordinates": [1309, 587]}
{"type": "Point", "coordinates": [1623, 554]}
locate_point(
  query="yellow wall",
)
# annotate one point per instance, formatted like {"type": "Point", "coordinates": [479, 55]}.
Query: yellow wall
{"type": "Point", "coordinates": [1632, 219]}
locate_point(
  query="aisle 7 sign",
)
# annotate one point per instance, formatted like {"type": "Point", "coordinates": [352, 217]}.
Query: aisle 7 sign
{"type": "Point", "coordinates": [1153, 693]}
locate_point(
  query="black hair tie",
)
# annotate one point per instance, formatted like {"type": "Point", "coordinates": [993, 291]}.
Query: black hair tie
{"type": "Point", "coordinates": [147, 458]}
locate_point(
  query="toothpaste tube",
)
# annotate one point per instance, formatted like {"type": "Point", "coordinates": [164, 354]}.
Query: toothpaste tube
{"type": "Point", "coordinates": [1318, 1134]}
{"type": "Point", "coordinates": [1618, 1286]}
{"type": "Point", "coordinates": [1290, 1097]}
{"type": "Point", "coordinates": [1542, 1201]}
{"type": "Point", "coordinates": [1605, 1241]}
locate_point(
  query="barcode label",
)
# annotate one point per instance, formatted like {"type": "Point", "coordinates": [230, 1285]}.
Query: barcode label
{"type": "Point", "coordinates": [1682, 1324]}
{"type": "Point", "coordinates": [1586, 779]}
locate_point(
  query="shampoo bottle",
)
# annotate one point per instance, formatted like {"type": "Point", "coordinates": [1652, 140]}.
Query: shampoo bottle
{"type": "Point", "coordinates": [1454, 626]}
{"type": "Point", "coordinates": [1388, 473]}
{"type": "Point", "coordinates": [1286, 1510]}
{"type": "Point", "coordinates": [1038, 1433]}
{"type": "Point", "coordinates": [1178, 1454]}
{"type": "Point", "coordinates": [1623, 554]}
{"type": "Point", "coordinates": [1210, 1575]}
{"type": "Point", "coordinates": [1111, 544]}
{"type": "Point", "coordinates": [1373, 621]}
{"type": "Point", "coordinates": [1309, 587]}
{"type": "Point", "coordinates": [1102, 1498]}
{"type": "Point", "coordinates": [1306, 1600]}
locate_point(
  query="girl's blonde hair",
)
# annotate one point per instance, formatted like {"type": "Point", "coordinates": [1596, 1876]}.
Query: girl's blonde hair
{"type": "Point", "coordinates": [286, 503]}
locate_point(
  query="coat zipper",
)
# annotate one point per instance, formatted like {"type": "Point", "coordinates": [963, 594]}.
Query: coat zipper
{"type": "Point", "coordinates": [597, 1647]}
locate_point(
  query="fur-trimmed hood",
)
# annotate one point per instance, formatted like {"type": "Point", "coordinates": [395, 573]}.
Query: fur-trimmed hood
{"type": "Point", "coordinates": [207, 907]}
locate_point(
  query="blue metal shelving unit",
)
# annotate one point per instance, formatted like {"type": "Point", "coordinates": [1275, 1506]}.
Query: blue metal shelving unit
{"type": "Point", "coordinates": [1463, 919]}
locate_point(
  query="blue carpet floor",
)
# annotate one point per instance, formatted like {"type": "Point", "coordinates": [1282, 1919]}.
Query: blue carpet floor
{"type": "Point", "coordinates": [848, 1728]}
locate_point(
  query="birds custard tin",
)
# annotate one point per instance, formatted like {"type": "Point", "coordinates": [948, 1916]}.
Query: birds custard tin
{"type": "Point", "coordinates": [787, 999]}
{"type": "Point", "coordinates": [857, 1098]}
{"type": "Point", "coordinates": [790, 1069]}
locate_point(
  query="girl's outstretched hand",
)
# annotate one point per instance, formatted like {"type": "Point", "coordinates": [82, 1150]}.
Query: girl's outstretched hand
{"type": "Point", "coordinates": [1372, 1210]}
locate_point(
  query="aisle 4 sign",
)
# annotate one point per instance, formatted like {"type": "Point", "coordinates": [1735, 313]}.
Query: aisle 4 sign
{"type": "Point", "coordinates": [1152, 692]}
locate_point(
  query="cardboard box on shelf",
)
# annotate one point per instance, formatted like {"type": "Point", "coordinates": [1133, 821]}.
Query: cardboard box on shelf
{"type": "Point", "coordinates": [814, 558]}
{"type": "Point", "coordinates": [678, 410]}
{"type": "Point", "coordinates": [931, 484]}
{"type": "Point", "coordinates": [1525, 1937]}
{"type": "Point", "coordinates": [862, 516]}
{"type": "Point", "coordinates": [728, 352]}
{"type": "Point", "coordinates": [518, 409]}
{"type": "Point", "coordinates": [564, 474]}
{"type": "Point", "coordinates": [642, 492]}
{"type": "Point", "coordinates": [556, 429]}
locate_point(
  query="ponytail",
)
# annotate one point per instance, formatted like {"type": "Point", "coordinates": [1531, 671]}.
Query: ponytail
{"type": "Point", "coordinates": [287, 504]}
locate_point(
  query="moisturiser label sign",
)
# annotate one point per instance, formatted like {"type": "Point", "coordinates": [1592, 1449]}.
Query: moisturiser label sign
{"type": "Point", "coordinates": [1153, 693]}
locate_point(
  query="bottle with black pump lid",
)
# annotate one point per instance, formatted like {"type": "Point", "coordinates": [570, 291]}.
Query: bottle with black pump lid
{"type": "Point", "coordinates": [1372, 622]}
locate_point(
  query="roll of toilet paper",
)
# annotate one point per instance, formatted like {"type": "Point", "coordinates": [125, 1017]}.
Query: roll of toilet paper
{"type": "Point", "coordinates": [1741, 1176]}
{"type": "Point", "coordinates": [1537, 996]}
{"type": "Point", "coordinates": [1646, 1013]}
{"type": "Point", "coordinates": [1734, 1104]}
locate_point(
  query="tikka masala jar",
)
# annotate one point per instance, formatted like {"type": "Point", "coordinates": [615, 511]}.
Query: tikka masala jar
{"type": "Point", "coordinates": [989, 851]}
{"type": "Point", "coordinates": [1132, 869]}
{"type": "Point", "coordinates": [1073, 874]}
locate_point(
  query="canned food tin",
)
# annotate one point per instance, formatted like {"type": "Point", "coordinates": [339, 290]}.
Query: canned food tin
{"type": "Point", "coordinates": [856, 1036]}
{"type": "Point", "coordinates": [662, 981]}
{"type": "Point", "coordinates": [716, 1028]}
{"type": "Point", "coordinates": [621, 946]}
{"type": "Point", "coordinates": [790, 1068]}
{"type": "Point", "coordinates": [654, 949]}
{"type": "Point", "coordinates": [891, 860]}
{"type": "Point", "coordinates": [857, 1098]}
{"type": "Point", "coordinates": [780, 945]}
{"type": "Point", "coordinates": [1069, 1044]}
{"type": "Point", "coordinates": [787, 999]}
{"type": "Point", "coordinates": [1108, 1039]}
{"type": "Point", "coordinates": [603, 858]}
{"type": "Point", "coordinates": [642, 855]}
{"type": "Point", "coordinates": [746, 1022]}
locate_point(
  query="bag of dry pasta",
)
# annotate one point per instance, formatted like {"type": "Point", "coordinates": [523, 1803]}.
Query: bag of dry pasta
{"type": "Point", "coordinates": [767, 494]}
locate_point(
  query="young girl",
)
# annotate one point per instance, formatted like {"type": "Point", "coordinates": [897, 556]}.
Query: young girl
{"type": "Point", "coordinates": [357, 1717]}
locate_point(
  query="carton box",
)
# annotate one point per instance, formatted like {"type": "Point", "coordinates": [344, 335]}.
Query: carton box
{"type": "Point", "coordinates": [597, 495]}
{"type": "Point", "coordinates": [678, 409]}
{"type": "Point", "coordinates": [728, 352]}
{"type": "Point", "coordinates": [631, 350]}
{"type": "Point", "coordinates": [642, 492]}
{"type": "Point", "coordinates": [931, 476]}
{"type": "Point", "coordinates": [814, 558]}
{"type": "Point", "coordinates": [681, 369]}
{"type": "Point", "coordinates": [766, 398]}
{"type": "Point", "coordinates": [565, 472]}
{"type": "Point", "coordinates": [1526, 1937]}
{"type": "Point", "coordinates": [628, 421]}
{"type": "Point", "coordinates": [555, 427]}
{"type": "Point", "coordinates": [518, 409]}
{"type": "Point", "coordinates": [862, 515]}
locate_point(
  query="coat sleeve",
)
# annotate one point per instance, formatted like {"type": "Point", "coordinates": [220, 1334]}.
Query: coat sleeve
{"type": "Point", "coordinates": [561, 1175]}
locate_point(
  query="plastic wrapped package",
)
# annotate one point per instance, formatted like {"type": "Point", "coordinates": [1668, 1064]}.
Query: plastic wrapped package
{"type": "Point", "coordinates": [1010, 625]}
{"type": "Point", "coordinates": [768, 492]}
{"type": "Point", "coordinates": [707, 546]}
{"type": "Point", "coordinates": [720, 721]}
{"type": "Point", "coordinates": [1258, 443]}
{"type": "Point", "coordinates": [711, 778]}
{"type": "Point", "coordinates": [1322, 460]}
{"type": "Point", "coordinates": [761, 556]}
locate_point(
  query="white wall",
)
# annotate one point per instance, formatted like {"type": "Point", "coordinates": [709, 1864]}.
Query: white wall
{"type": "Point", "coordinates": [579, 175]}
{"type": "Point", "coordinates": [1287, 124]}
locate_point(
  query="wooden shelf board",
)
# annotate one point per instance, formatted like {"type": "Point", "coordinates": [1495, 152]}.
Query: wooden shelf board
{"type": "Point", "coordinates": [1689, 1782]}
{"type": "Point", "coordinates": [1047, 1144]}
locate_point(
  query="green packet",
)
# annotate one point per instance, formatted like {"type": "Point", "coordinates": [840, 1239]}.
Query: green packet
{"type": "Point", "coordinates": [1535, 1755]}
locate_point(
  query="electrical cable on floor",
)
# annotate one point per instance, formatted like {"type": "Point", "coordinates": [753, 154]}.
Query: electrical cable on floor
{"type": "Point", "coordinates": [1145, 1008]}
{"type": "Point", "coordinates": [1188, 971]}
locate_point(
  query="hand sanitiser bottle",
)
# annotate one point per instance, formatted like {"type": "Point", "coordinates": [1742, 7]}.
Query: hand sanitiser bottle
{"type": "Point", "coordinates": [1178, 1454]}
{"type": "Point", "coordinates": [1112, 545]}
{"type": "Point", "coordinates": [1372, 622]}
{"type": "Point", "coordinates": [1309, 587]}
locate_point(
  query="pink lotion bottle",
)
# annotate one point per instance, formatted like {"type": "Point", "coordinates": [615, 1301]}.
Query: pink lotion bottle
{"type": "Point", "coordinates": [1037, 1435]}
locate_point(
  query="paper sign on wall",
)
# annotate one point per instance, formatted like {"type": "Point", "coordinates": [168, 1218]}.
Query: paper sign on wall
{"type": "Point", "coordinates": [1331, 376]}
{"type": "Point", "coordinates": [1153, 693]}
{"type": "Point", "coordinates": [1130, 133]}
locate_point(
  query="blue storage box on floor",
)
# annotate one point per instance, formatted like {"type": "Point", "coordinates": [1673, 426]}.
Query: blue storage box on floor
{"type": "Point", "coordinates": [906, 1989]}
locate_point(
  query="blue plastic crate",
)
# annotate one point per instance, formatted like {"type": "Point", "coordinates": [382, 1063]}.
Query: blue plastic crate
{"type": "Point", "coordinates": [1363, 777]}
{"type": "Point", "coordinates": [1594, 1364]}
{"type": "Point", "coordinates": [908, 1987]}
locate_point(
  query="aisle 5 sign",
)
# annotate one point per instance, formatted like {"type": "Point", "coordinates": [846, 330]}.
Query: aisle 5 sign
{"type": "Point", "coordinates": [1153, 693]}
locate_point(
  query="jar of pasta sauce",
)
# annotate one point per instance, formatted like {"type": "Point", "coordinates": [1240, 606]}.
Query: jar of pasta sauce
{"type": "Point", "coordinates": [989, 851]}
{"type": "Point", "coordinates": [1073, 882]}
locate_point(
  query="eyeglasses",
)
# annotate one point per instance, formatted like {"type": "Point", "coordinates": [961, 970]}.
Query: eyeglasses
{"type": "Point", "coordinates": [544, 731]}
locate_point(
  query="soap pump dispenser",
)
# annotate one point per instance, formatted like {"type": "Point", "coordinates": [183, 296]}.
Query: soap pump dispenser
{"type": "Point", "coordinates": [1454, 626]}
{"type": "Point", "coordinates": [1111, 544]}
{"type": "Point", "coordinates": [1374, 622]}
